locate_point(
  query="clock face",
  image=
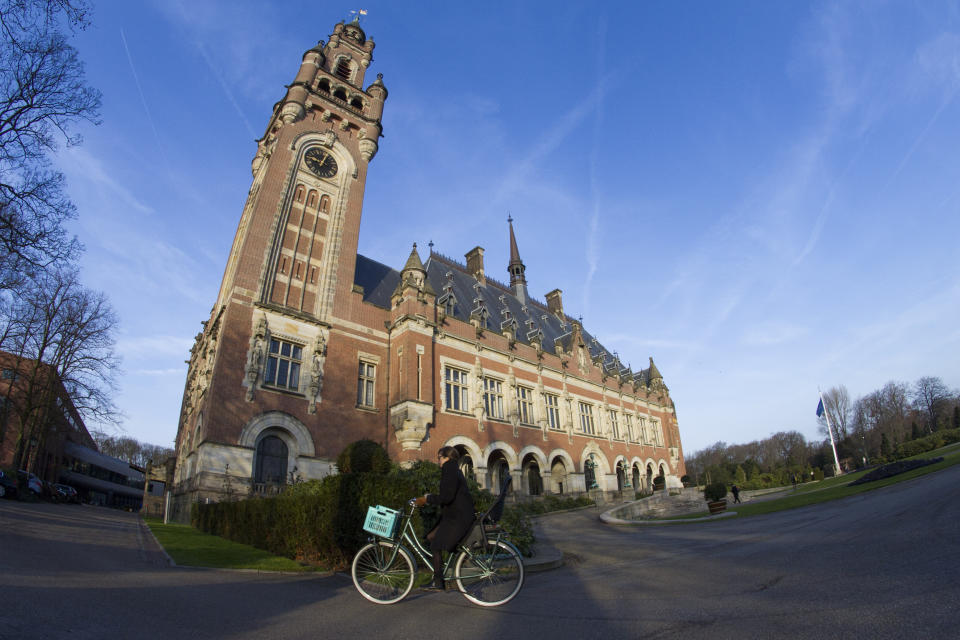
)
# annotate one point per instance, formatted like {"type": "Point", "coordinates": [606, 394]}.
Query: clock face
{"type": "Point", "coordinates": [321, 162]}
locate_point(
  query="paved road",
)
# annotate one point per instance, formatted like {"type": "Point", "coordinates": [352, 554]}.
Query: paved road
{"type": "Point", "coordinates": [879, 565]}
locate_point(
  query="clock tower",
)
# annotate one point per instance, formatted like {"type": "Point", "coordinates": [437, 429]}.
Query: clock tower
{"type": "Point", "coordinates": [257, 402]}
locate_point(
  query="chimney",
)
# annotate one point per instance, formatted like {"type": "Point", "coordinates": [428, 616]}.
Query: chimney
{"type": "Point", "coordinates": [475, 264]}
{"type": "Point", "coordinates": [555, 303]}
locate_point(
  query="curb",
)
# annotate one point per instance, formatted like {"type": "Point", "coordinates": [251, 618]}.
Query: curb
{"type": "Point", "coordinates": [546, 565]}
{"type": "Point", "coordinates": [606, 519]}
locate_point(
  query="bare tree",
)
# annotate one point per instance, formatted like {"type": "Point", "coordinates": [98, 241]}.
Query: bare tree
{"type": "Point", "coordinates": [130, 449]}
{"type": "Point", "coordinates": [791, 447]}
{"type": "Point", "coordinates": [930, 396]}
{"type": "Point", "coordinates": [60, 334]}
{"type": "Point", "coordinates": [837, 402]}
{"type": "Point", "coordinates": [42, 95]}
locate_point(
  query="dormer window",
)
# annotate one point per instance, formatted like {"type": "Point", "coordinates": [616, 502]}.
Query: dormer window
{"type": "Point", "coordinates": [343, 68]}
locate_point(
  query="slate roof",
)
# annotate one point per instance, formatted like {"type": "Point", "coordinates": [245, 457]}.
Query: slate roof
{"type": "Point", "coordinates": [447, 276]}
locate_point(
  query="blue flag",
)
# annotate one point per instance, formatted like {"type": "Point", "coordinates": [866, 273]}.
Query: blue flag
{"type": "Point", "coordinates": [820, 408]}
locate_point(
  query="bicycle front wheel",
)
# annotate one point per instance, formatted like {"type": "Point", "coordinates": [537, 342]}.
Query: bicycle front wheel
{"type": "Point", "coordinates": [383, 572]}
{"type": "Point", "coordinates": [492, 576]}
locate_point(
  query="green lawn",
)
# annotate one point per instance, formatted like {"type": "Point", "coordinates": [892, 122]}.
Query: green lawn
{"type": "Point", "coordinates": [191, 547]}
{"type": "Point", "coordinates": [833, 488]}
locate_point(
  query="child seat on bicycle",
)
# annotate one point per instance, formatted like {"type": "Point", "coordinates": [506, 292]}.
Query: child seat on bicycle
{"type": "Point", "coordinates": [485, 524]}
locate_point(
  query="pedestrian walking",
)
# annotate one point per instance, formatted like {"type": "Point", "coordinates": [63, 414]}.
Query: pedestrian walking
{"type": "Point", "coordinates": [735, 490]}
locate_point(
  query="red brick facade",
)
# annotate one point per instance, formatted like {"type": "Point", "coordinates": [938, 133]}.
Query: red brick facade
{"type": "Point", "coordinates": [372, 347]}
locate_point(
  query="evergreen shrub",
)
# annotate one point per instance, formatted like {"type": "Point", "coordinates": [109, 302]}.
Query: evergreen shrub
{"type": "Point", "coordinates": [364, 456]}
{"type": "Point", "coordinates": [715, 491]}
{"type": "Point", "coordinates": [927, 443]}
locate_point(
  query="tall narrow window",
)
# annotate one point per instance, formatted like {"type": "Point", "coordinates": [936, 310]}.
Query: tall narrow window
{"type": "Point", "coordinates": [343, 68]}
{"type": "Point", "coordinates": [456, 389]}
{"type": "Point", "coordinates": [553, 411]}
{"type": "Point", "coordinates": [525, 404]}
{"type": "Point", "coordinates": [613, 425]}
{"type": "Point", "coordinates": [365, 384]}
{"type": "Point", "coordinates": [586, 419]}
{"type": "Point", "coordinates": [657, 433]}
{"type": "Point", "coordinates": [628, 422]}
{"type": "Point", "coordinates": [493, 398]}
{"type": "Point", "coordinates": [283, 365]}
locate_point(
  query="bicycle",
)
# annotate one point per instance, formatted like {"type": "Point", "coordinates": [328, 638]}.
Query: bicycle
{"type": "Point", "coordinates": [486, 567]}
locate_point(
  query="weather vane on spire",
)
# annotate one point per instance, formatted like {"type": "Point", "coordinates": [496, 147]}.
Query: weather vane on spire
{"type": "Point", "coordinates": [356, 14]}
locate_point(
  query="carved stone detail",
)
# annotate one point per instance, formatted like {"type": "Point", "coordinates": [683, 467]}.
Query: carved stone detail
{"type": "Point", "coordinates": [255, 356]}
{"type": "Point", "coordinates": [317, 361]}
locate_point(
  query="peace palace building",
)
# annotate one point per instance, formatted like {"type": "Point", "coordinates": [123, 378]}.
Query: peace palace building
{"type": "Point", "coordinates": [311, 346]}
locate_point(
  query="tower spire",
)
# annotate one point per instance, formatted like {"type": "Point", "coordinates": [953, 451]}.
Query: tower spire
{"type": "Point", "coordinates": [518, 281]}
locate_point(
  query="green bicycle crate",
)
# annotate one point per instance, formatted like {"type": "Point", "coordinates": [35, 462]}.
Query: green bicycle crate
{"type": "Point", "coordinates": [381, 521]}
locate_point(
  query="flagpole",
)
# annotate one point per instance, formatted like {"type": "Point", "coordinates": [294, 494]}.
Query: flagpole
{"type": "Point", "coordinates": [833, 445]}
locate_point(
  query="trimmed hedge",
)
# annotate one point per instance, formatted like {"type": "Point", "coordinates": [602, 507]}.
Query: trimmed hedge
{"type": "Point", "coordinates": [894, 468]}
{"type": "Point", "coordinates": [927, 443]}
{"type": "Point", "coordinates": [321, 521]}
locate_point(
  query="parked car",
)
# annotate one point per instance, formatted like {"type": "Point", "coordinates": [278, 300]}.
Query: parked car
{"type": "Point", "coordinates": [66, 493]}
{"type": "Point", "coordinates": [8, 486]}
{"type": "Point", "coordinates": [31, 482]}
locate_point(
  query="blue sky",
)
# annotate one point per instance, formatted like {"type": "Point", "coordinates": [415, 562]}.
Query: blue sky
{"type": "Point", "coordinates": [762, 196]}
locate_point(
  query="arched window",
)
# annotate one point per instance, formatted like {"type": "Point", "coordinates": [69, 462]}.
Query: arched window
{"type": "Point", "coordinates": [312, 199]}
{"type": "Point", "coordinates": [340, 93]}
{"type": "Point", "coordinates": [325, 203]}
{"type": "Point", "coordinates": [324, 85]}
{"type": "Point", "coordinates": [356, 104]}
{"type": "Point", "coordinates": [299, 195]}
{"type": "Point", "coordinates": [270, 466]}
{"type": "Point", "coordinates": [343, 68]}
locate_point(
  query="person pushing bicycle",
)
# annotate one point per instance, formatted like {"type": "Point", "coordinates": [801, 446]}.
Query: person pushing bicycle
{"type": "Point", "coordinates": [456, 512]}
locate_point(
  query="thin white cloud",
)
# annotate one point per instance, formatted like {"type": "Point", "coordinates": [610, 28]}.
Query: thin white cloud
{"type": "Point", "coordinates": [156, 346]}
{"type": "Point", "coordinates": [160, 373]}
{"type": "Point", "coordinates": [82, 166]}
{"type": "Point", "coordinates": [771, 334]}
{"type": "Point", "coordinates": [593, 234]}
{"type": "Point", "coordinates": [143, 101]}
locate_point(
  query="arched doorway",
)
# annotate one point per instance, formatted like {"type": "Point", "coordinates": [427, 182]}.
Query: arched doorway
{"type": "Point", "coordinates": [466, 462]}
{"type": "Point", "coordinates": [270, 464]}
{"type": "Point", "coordinates": [532, 481]}
{"type": "Point", "coordinates": [590, 473]}
{"type": "Point", "coordinates": [558, 476]}
{"type": "Point", "coordinates": [649, 476]}
{"type": "Point", "coordinates": [636, 477]}
{"type": "Point", "coordinates": [499, 469]}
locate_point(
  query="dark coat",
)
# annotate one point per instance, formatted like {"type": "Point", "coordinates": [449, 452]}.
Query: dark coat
{"type": "Point", "coordinates": [456, 508]}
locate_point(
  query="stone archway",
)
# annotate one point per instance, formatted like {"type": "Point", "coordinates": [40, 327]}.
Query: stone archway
{"type": "Point", "coordinates": [532, 481]}
{"type": "Point", "coordinates": [649, 476]}
{"type": "Point", "coordinates": [467, 466]}
{"type": "Point", "coordinates": [636, 477]}
{"type": "Point", "coordinates": [558, 476]}
{"type": "Point", "coordinates": [621, 476]}
{"type": "Point", "coordinates": [498, 469]}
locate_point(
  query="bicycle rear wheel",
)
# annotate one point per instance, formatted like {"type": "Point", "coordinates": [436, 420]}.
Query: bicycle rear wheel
{"type": "Point", "coordinates": [383, 572]}
{"type": "Point", "coordinates": [492, 576]}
